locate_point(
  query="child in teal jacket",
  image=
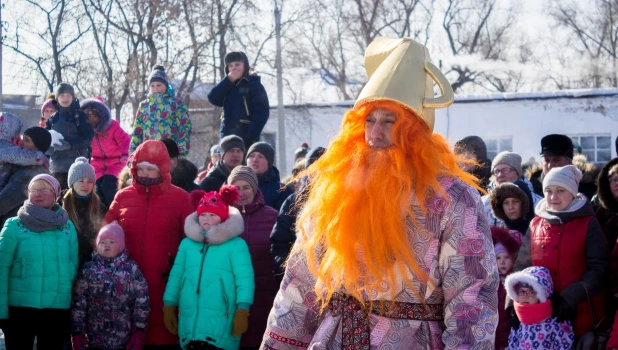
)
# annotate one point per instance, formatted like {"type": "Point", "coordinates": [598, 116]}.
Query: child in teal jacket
{"type": "Point", "coordinates": [212, 281]}
{"type": "Point", "coordinates": [38, 263]}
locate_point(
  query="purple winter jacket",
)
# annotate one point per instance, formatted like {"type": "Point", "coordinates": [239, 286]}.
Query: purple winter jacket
{"type": "Point", "coordinates": [259, 221]}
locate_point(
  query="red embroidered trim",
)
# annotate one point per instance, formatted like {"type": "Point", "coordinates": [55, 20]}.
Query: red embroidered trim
{"type": "Point", "coordinates": [281, 339]}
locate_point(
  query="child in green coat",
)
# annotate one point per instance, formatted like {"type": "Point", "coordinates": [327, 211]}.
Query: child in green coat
{"type": "Point", "coordinates": [212, 281]}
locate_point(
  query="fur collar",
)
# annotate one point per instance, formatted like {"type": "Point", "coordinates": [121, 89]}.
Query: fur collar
{"type": "Point", "coordinates": [605, 194]}
{"type": "Point", "coordinates": [232, 227]}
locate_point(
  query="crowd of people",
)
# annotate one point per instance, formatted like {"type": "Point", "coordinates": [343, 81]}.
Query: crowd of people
{"type": "Point", "coordinates": [114, 240]}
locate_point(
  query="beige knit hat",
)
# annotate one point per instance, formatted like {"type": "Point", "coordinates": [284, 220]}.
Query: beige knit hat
{"type": "Point", "coordinates": [509, 158]}
{"type": "Point", "coordinates": [567, 177]}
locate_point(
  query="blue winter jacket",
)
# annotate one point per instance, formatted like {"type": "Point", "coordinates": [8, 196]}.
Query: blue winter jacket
{"type": "Point", "coordinates": [209, 281]}
{"type": "Point", "coordinates": [275, 193]}
{"type": "Point", "coordinates": [73, 124]}
{"type": "Point", "coordinates": [245, 107]}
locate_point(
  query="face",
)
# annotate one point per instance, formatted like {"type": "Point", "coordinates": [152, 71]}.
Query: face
{"type": "Point", "coordinates": [527, 296]}
{"type": "Point", "coordinates": [108, 248]}
{"type": "Point", "coordinates": [26, 142]}
{"type": "Point", "coordinates": [157, 87]}
{"type": "Point", "coordinates": [65, 99]}
{"type": "Point", "coordinates": [147, 171]}
{"type": "Point", "coordinates": [83, 186]}
{"type": "Point", "coordinates": [613, 185]}
{"type": "Point", "coordinates": [550, 162]}
{"type": "Point", "coordinates": [504, 262]}
{"type": "Point", "coordinates": [41, 195]}
{"type": "Point", "coordinates": [258, 163]}
{"type": "Point", "coordinates": [93, 116]}
{"type": "Point", "coordinates": [246, 192]}
{"type": "Point", "coordinates": [512, 208]}
{"type": "Point", "coordinates": [48, 112]}
{"type": "Point", "coordinates": [558, 198]}
{"type": "Point", "coordinates": [468, 167]}
{"type": "Point", "coordinates": [505, 173]}
{"type": "Point", "coordinates": [237, 67]}
{"type": "Point", "coordinates": [379, 126]}
{"type": "Point", "coordinates": [207, 220]}
{"type": "Point", "coordinates": [233, 158]}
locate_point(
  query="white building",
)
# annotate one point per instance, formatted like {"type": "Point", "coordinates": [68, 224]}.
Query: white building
{"type": "Point", "coordinates": [507, 122]}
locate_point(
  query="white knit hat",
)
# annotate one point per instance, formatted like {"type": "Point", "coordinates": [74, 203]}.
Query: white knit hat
{"type": "Point", "coordinates": [567, 177]}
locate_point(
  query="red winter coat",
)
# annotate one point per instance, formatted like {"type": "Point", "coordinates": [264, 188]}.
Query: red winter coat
{"type": "Point", "coordinates": [259, 221]}
{"type": "Point", "coordinates": [572, 246]}
{"type": "Point", "coordinates": [153, 222]}
{"type": "Point", "coordinates": [110, 149]}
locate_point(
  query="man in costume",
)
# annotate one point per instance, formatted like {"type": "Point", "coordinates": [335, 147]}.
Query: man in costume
{"type": "Point", "coordinates": [393, 249]}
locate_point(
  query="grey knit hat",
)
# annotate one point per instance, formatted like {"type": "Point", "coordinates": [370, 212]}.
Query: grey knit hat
{"type": "Point", "coordinates": [64, 88]}
{"type": "Point", "coordinates": [231, 141]}
{"type": "Point", "coordinates": [158, 74]}
{"type": "Point", "coordinates": [567, 177]}
{"type": "Point", "coordinates": [509, 158]}
{"type": "Point", "coordinates": [215, 150]}
{"type": "Point", "coordinates": [80, 169]}
{"type": "Point", "coordinates": [242, 172]}
{"type": "Point", "coordinates": [265, 149]}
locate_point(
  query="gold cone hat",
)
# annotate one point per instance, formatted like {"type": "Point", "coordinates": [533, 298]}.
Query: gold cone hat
{"type": "Point", "coordinates": [401, 70]}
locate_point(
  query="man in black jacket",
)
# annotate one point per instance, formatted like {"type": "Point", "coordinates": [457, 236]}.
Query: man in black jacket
{"type": "Point", "coordinates": [232, 154]}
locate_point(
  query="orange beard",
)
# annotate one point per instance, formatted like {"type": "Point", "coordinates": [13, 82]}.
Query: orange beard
{"type": "Point", "coordinates": [359, 200]}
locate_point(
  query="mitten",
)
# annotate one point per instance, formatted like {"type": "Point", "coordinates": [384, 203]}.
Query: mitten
{"type": "Point", "coordinates": [240, 323]}
{"type": "Point", "coordinates": [563, 311]}
{"type": "Point", "coordinates": [62, 145]}
{"type": "Point", "coordinates": [137, 341]}
{"type": "Point", "coordinates": [170, 319]}
{"type": "Point", "coordinates": [79, 342]}
{"type": "Point", "coordinates": [513, 319]}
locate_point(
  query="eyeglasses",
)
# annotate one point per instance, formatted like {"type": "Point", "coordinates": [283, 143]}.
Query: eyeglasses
{"type": "Point", "coordinates": [43, 192]}
{"type": "Point", "coordinates": [613, 180]}
{"type": "Point", "coordinates": [502, 171]}
{"type": "Point", "coordinates": [526, 292]}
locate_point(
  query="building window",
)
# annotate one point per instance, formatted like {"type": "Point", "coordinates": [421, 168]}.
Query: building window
{"type": "Point", "coordinates": [497, 145]}
{"type": "Point", "coordinates": [596, 148]}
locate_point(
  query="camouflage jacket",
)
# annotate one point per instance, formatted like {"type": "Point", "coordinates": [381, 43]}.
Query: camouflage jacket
{"type": "Point", "coordinates": [110, 301]}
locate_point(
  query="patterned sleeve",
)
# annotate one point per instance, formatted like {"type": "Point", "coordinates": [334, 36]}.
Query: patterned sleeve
{"type": "Point", "coordinates": [293, 320]}
{"type": "Point", "coordinates": [184, 128]}
{"type": "Point", "coordinates": [21, 156]}
{"type": "Point", "coordinates": [470, 277]}
{"type": "Point", "coordinates": [79, 301]}
{"type": "Point", "coordinates": [137, 136]}
{"type": "Point", "coordinates": [141, 302]}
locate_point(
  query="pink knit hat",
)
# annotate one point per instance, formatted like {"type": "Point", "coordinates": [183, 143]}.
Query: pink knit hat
{"type": "Point", "coordinates": [112, 231]}
{"type": "Point", "coordinates": [47, 104]}
{"type": "Point", "coordinates": [51, 181]}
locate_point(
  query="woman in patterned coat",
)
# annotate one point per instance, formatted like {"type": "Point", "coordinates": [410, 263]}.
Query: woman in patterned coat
{"type": "Point", "coordinates": [393, 247]}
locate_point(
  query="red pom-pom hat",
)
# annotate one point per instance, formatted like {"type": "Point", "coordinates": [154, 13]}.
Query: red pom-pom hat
{"type": "Point", "coordinates": [218, 202]}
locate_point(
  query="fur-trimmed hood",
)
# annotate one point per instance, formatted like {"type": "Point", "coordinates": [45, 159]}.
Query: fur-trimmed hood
{"type": "Point", "coordinates": [234, 226]}
{"type": "Point", "coordinates": [606, 198]}
{"type": "Point", "coordinates": [104, 113]}
{"type": "Point", "coordinates": [510, 239]}
{"type": "Point", "coordinates": [538, 277]}
{"type": "Point", "coordinates": [520, 190]}
{"type": "Point", "coordinates": [535, 175]}
{"type": "Point", "coordinates": [590, 172]}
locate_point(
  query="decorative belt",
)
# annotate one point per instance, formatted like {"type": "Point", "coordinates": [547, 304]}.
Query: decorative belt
{"type": "Point", "coordinates": [355, 317]}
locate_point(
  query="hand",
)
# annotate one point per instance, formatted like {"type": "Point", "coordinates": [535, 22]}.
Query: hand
{"type": "Point", "coordinates": [240, 323]}
{"type": "Point", "coordinates": [170, 319]}
{"type": "Point", "coordinates": [513, 319]}
{"type": "Point", "coordinates": [563, 311]}
{"type": "Point", "coordinates": [137, 341]}
{"type": "Point", "coordinates": [62, 145]}
{"type": "Point", "coordinates": [79, 342]}
{"type": "Point", "coordinates": [234, 75]}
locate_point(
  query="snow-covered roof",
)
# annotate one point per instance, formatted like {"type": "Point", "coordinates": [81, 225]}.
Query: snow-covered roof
{"type": "Point", "coordinates": [507, 96]}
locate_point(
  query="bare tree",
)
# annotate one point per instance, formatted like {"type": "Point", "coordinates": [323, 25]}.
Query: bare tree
{"type": "Point", "coordinates": [48, 46]}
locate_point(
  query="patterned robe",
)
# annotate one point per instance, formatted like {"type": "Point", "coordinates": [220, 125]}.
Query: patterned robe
{"type": "Point", "coordinates": [453, 246]}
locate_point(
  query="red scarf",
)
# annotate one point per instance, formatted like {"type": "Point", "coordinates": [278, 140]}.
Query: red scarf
{"type": "Point", "coordinates": [533, 313]}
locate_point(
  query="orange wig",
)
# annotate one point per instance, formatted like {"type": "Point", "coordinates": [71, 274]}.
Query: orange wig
{"type": "Point", "coordinates": [359, 201]}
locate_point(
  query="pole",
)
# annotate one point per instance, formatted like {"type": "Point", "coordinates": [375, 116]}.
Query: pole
{"type": "Point", "coordinates": [281, 149]}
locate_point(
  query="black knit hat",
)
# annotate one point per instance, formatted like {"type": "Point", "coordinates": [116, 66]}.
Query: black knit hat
{"type": "Point", "coordinates": [557, 145]}
{"type": "Point", "coordinates": [172, 147]}
{"type": "Point", "coordinates": [158, 74]}
{"type": "Point", "coordinates": [40, 137]}
{"type": "Point", "coordinates": [314, 155]}
{"type": "Point", "coordinates": [231, 141]}
{"type": "Point", "coordinates": [64, 88]}
{"type": "Point", "coordinates": [265, 149]}
{"type": "Point", "coordinates": [236, 56]}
